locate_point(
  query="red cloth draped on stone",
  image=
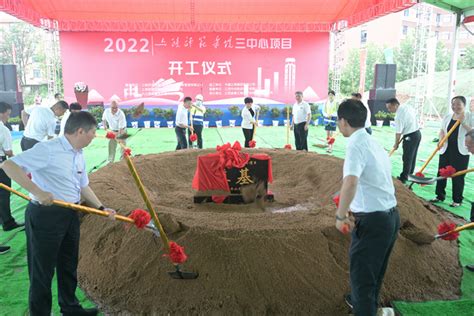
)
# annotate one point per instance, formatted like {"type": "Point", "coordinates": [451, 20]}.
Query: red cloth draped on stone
{"type": "Point", "coordinates": [210, 172]}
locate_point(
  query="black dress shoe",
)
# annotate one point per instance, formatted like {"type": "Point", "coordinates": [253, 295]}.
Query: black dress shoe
{"type": "Point", "coordinates": [82, 312]}
{"type": "Point", "coordinates": [348, 300]}
{"type": "Point", "coordinates": [12, 226]}
{"type": "Point", "coordinates": [470, 267]}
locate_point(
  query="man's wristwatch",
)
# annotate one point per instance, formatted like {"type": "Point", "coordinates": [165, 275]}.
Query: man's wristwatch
{"type": "Point", "coordinates": [342, 218]}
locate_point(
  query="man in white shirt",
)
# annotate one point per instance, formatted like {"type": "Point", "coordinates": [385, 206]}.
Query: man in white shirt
{"type": "Point", "coordinates": [368, 193]}
{"type": "Point", "coordinates": [368, 125]}
{"type": "Point", "coordinates": [58, 171]}
{"type": "Point", "coordinates": [73, 108]}
{"type": "Point", "coordinates": [182, 123]}
{"type": "Point", "coordinates": [114, 119]}
{"type": "Point", "coordinates": [8, 222]}
{"type": "Point", "coordinates": [42, 124]}
{"type": "Point", "coordinates": [301, 113]}
{"type": "Point", "coordinates": [406, 126]}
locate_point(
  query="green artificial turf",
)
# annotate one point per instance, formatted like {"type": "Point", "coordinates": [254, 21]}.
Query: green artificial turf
{"type": "Point", "coordinates": [13, 269]}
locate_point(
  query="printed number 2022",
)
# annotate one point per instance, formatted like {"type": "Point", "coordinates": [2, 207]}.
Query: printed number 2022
{"type": "Point", "coordinates": [131, 45]}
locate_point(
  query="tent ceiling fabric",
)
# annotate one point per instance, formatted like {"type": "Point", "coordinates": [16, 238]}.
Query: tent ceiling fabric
{"type": "Point", "coordinates": [200, 15]}
{"type": "Point", "coordinates": [452, 5]}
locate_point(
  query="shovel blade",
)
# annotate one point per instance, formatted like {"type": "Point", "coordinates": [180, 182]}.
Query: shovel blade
{"type": "Point", "coordinates": [421, 180]}
{"type": "Point", "coordinates": [182, 275]}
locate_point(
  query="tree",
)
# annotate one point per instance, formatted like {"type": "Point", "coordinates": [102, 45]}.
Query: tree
{"type": "Point", "coordinates": [467, 61]}
{"type": "Point", "coordinates": [18, 44]}
{"type": "Point", "coordinates": [443, 57]}
{"type": "Point", "coordinates": [374, 56]}
{"type": "Point", "coordinates": [403, 57]}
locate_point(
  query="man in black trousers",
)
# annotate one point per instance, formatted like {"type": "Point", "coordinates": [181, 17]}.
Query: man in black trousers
{"type": "Point", "coordinates": [406, 127]}
{"type": "Point", "coordinates": [52, 233]}
{"type": "Point", "coordinates": [182, 123]}
{"type": "Point", "coordinates": [368, 193]}
{"type": "Point", "coordinates": [301, 113]}
{"type": "Point", "coordinates": [470, 146]}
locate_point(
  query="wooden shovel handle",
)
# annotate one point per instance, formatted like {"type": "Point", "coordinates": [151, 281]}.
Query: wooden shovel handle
{"type": "Point", "coordinates": [441, 143]}
{"type": "Point", "coordinates": [393, 149]}
{"type": "Point", "coordinates": [456, 230]}
{"type": "Point", "coordinates": [80, 208]}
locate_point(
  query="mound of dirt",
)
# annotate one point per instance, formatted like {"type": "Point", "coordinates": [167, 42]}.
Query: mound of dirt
{"type": "Point", "coordinates": [288, 259]}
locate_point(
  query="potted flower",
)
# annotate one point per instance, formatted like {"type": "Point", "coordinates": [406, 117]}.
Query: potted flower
{"type": "Point", "coordinates": [15, 123]}
{"type": "Point", "coordinates": [157, 112]}
{"type": "Point", "coordinates": [315, 118]}
{"type": "Point", "coordinates": [380, 117]}
{"type": "Point", "coordinates": [286, 112]}
{"type": "Point", "coordinates": [169, 115]}
{"type": "Point", "coordinates": [81, 90]}
{"type": "Point", "coordinates": [234, 111]}
{"type": "Point", "coordinates": [218, 114]}
{"type": "Point", "coordinates": [275, 113]}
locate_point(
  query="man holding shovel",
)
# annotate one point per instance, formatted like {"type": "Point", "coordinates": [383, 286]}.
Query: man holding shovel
{"type": "Point", "coordinates": [406, 127]}
{"type": "Point", "coordinates": [114, 120]}
{"type": "Point", "coordinates": [52, 233]}
{"type": "Point", "coordinates": [470, 147]}
{"type": "Point", "coordinates": [368, 193]}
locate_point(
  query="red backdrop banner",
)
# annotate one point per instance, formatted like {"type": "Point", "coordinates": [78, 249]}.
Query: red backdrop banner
{"type": "Point", "coordinates": [162, 68]}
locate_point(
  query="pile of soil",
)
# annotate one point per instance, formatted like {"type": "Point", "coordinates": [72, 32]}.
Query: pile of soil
{"type": "Point", "coordinates": [288, 259]}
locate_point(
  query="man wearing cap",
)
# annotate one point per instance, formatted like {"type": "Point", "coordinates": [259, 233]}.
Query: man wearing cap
{"type": "Point", "coordinates": [197, 111]}
{"type": "Point", "coordinates": [42, 124]}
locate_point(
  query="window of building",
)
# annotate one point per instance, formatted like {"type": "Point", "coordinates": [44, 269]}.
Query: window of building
{"type": "Point", "coordinates": [463, 34]}
{"type": "Point", "coordinates": [445, 35]}
{"type": "Point", "coordinates": [406, 12]}
{"type": "Point", "coordinates": [36, 73]}
{"type": "Point", "coordinates": [462, 52]}
{"type": "Point", "coordinates": [438, 18]}
{"type": "Point", "coordinates": [437, 34]}
{"type": "Point", "coordinates": [363, 37]}
{"type": "Point", "coordinates": [447, 18]}
{"type": "Point", "coordinates": [405, 30]}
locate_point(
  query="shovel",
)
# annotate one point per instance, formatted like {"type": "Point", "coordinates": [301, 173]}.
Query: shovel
{"type": "Point", "coordinates": [83, 209]}
{"type": "Point", "coordinates": [424, 181]}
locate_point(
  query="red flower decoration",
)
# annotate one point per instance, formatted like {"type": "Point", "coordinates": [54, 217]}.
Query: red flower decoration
{"type": "Point", "coordinates": [420, 174]}
{"type": "Point", "coordinates": [127, 152]}
{"type": "Point", "coordinates": [252, 143]}
{"type": "Point", "coordinates": [288, 146]}
{"type": "Point", "coordinates": [331, 140]}
{"type": "Point", "coordinates": [447, 171]}
{"type": "Point", "coordinates": [193, 137]}
{"type": "Point", "coordinates": [176, 254]}
{"type": "Point", "coordinates": [336, 199]}
{"type": "Point", "coordinates": [110, 135]}
{"type": "Point", "coordinates": [141, 217]}
{"type": "Point", "coordinates": [345, 229]}
{"type": "Point", "coordinates": [445, 227]}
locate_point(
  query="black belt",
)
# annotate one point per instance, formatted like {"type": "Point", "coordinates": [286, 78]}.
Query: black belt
{"type": "Point", "coordinates": [417, 131]}
{"type": "Point", "coordinates": [362, 214]}
{"type": "Point", "coordinates": [34, 202]}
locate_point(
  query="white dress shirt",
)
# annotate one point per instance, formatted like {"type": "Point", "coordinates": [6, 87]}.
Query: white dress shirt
{"type": "Point", "coordinates": [55, 167]}
{"type": "Point", "coordinates": [368, 161]}
{"type": "Point", "coordinates": [248, 118]}
{"type": "Point", "coordinates": [182, 116]}
{"type": "Point", "coordinates": [461, 134]}
{"type": "Point", "coordinates": [368, 123]}
{"type": "Point", "coordinates": [5, 139]}
{"type": "Point", "coordinates": [405, 120]}
{"type": "Point", "coordinates": [300, 112]}
{"type": "Point", "coordinates": [63, 122]}
{"type": "Point", "coordinates": [41, 124]}
{"type": "Point", "coordinates": [115, 121]}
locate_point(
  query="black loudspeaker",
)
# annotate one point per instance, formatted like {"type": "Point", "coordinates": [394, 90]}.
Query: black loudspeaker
{"type": "Point", "coordinates": [9, 76]}
{"type": "Point", "coordinates": [8, 97]}
{"type": "Point", "coordinates": [380, 76]}
{"type": "Point", "coordinates": [385, 76]}
{"type": "Point", "coordinates": [376, 106]}
{"type": "Point", "coordinates": [381, 94]}
{"type": "Point", "coordinates": [16, 109]}
{"type": "Point", "coordinates": [2, 80]}
{"type": "Point", "coordinates": [391, 76]}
